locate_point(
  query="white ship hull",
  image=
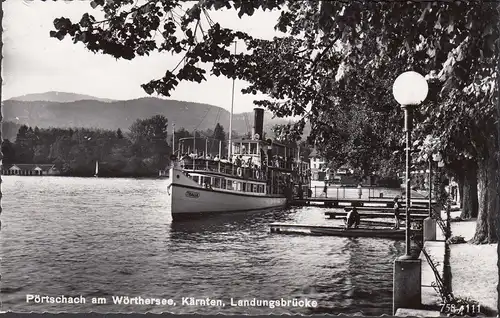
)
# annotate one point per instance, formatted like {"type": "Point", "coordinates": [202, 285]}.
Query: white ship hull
{"type": "Point", "coordinates": [189, 200]}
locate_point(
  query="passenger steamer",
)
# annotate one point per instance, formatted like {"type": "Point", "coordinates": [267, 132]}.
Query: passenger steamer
{"type": "Point", "coordinates": [260, 174]}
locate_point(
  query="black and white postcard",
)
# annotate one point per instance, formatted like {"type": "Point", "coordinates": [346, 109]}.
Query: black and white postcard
{"type": "Point", "coordinates": [297, 157]}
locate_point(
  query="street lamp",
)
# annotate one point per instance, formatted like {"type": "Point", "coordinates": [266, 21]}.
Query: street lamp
{"type": "Point", "coordinates": [409, 89]}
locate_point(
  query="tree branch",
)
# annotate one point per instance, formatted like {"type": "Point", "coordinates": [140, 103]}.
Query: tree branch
{"type": "Point", "coordinates": [127, 13]}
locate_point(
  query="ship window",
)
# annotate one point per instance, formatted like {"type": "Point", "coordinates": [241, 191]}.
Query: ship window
{"type": "Point", "coordinates": [206, 180]}
{"type": "Point", "coordinates": [223, 183]}
{"type": "Point", "coordinates": [254, 188]}
{"type": "Point", "coordinates": [244, 186]}
{"type": "Point", "coordinates": [230, 184]}
{"type": "Point", "coordinates": [253, 148]}
{"type": "Point", "coordinates": [236, 149]}
{"type": "Point", "coordinates": [217, 182]}
{"type": "Point", "coordinates": [196, 179]}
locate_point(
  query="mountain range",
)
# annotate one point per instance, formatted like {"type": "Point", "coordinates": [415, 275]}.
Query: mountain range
{"type": "Point", "coordinates": [65, 110]}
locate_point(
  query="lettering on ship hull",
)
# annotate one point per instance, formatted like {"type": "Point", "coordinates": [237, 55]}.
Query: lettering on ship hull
{"type": "Point", "coordinates": [192, 194]}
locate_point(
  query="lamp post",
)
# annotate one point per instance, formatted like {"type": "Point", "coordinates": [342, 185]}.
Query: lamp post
{"type": "Point", "coordinates": [430, 186]}
{"type": "Point", "coordinates": [409, 89]}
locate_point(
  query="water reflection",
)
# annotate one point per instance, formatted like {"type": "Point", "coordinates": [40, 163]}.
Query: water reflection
{"type": "Point", "coordinates": [226, 222]}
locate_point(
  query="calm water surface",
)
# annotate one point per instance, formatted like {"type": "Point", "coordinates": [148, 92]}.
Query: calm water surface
{"type": "Point", "coordinates": [106, 237]}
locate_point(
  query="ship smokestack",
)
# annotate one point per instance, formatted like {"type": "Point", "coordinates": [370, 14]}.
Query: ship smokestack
{"type": "Point", "coordinates": [258, 122]}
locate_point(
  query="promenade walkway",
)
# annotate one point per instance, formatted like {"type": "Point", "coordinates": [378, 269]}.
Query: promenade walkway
{"type": "Point", "coordinates": [474, 268]}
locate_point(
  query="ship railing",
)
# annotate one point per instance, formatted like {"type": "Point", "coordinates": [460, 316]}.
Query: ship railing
{"type": "Point", "coordinates": [223, 167]}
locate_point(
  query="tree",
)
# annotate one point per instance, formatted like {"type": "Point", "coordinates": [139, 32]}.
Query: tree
{"type": "Point", "coordinates": [334, 59]}
{"type": "Point", "coordinates": [220, 135]}
{"type": "Point", "coordinates": [154, 128]}
{"type": "Point", "coordinates": [24, 145]}
{"type": "Point", "coordinates": [119, 134]}
{"type": "Point", "coordinates": [8, 151]}
{"type": "Point", "coordinates": [149, 138]}
{"type": "Point", "coordinates": [179, 134]}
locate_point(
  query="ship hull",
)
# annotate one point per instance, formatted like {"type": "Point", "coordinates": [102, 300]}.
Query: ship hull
{"type": "Point", "coordinates": [189, 201]}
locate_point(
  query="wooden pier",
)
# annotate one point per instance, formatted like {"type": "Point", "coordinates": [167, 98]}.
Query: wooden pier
{"type": "Point", "coordinates": [374, 215]}
{"type": "Point", "coordinates": [342, 202]}
{"type": "Point", "coordinates": [419, 209]}
{"type": "Point", "coordinates": [322, 230]}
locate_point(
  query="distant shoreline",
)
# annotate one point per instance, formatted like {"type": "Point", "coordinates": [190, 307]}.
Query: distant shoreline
{"type": "Point", "coordinates": [88, 177]}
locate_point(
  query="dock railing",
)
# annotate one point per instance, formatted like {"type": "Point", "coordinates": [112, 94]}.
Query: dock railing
{"type": "Point", "coordinates": [366, 192]}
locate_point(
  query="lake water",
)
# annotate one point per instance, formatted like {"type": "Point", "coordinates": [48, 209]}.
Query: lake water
{"type": "Point", "coordinates": [114, 237]}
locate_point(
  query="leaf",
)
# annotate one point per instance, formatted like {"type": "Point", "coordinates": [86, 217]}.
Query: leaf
{"type": "Point", "coordinates": [219, 4]}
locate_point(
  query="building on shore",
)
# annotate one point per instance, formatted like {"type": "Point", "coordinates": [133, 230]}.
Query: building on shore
{"type": "Point", "coordinates": [28, 169]}
{"type": "Point", "coordinates": [163, 173]}
{"type": "Point", "coordinates": [319, 167]}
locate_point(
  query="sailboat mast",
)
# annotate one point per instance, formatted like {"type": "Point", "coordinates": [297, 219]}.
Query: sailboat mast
{"type": "Point", "coordinates": [229, 145]}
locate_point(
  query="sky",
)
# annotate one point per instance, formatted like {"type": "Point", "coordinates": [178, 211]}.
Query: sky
{"type": "Point", "coordinates": [35, 63]}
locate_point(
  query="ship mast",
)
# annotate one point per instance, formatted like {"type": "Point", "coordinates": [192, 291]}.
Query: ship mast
{"type": "Point", "coordinates": [173, 139]}
{"type": "Point", "coordinates": [229, 144]}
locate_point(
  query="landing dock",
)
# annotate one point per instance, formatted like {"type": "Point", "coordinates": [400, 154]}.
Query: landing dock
{"type": "Point", "coordinates": [343, 202]}
{"type": "Point", "coordinates": [386, 232]}
{"type": "Point", "coordinates": [415, 214]}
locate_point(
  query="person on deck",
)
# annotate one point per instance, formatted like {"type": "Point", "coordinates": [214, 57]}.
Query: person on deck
{"type": "Point", "coordinates": [352, 218]}
{"type": "Point", "coordinates": [397, 209]}
{"type": "Point", "coordinates": [309, 194]}
{"type": "Point", "coordinates": [207, 184]}
{"type": "Point", "coordinates": [237, 162]}
{"type": "Point", "coordinates": [325, 190]}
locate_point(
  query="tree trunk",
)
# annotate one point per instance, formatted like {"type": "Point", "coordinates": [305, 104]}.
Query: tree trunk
{"type": "Point", "coordinates": [461, 184]}
{"type": "Point", "coordinates": [487, 221]}
{"type": "Point", "coordinates": [498, 188]}
{"type": "Point", "coordinates": [469, 196]}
